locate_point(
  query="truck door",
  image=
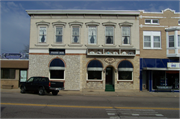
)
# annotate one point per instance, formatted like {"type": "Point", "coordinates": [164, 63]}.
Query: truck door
{"type": "Point", "coordinates": [29, 83]}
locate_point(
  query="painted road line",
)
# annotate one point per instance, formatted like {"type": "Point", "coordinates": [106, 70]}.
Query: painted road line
{"type": "Point", "coordinates": [24, 104]}
{"type": "Point", "coordinates": [102, 107]}
{"type": "Point", "coordinates": [154, 108]}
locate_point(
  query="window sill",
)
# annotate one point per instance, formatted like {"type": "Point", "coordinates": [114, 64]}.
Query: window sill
{"type": "Point", "coordinates": [152, 48]}
{"type": "Point", "coordinates": [131, 81]}
{"type": "Point", "coordinates": [54, 45]}
{"type": "Point", "coordinates": [39, 44]}
{"type": "Point", "coordinates": [109, 45]}
{"type": "Point", "coordinates": [92, 80]}
{"type": "Point", "coordinates": [92, 45]}
{"type": "Point", "coordinates": [75, 45]}
{"type": "Point", "coordinates": [123, 45]}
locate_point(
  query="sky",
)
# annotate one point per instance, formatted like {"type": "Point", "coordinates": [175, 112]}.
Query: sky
{"type": "Point", "coordinates": [15, 22]}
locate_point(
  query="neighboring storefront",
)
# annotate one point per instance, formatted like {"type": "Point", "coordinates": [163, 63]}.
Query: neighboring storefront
{"type": "Point", "coordinates": [14, 70]}
{"type": "Point", "coordinates": [159, 74]}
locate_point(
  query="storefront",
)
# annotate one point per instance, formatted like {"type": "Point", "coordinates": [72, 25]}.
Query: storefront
{"type": "Point", "coordinates": [159, 75]}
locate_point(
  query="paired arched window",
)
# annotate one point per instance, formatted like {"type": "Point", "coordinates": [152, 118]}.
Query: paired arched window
{"type": "Point", "coordinates": [94, 69]}
{"type": "Point", "coordinates": [125, 70]}
{"type": "Point", "coordinates": [57, 68]}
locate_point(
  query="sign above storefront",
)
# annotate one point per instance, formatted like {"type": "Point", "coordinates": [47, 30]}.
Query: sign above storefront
{"type": "Point", "coordinates": [173, 65]}
{"type": "Point", "coordinates": [57, 51]}
{"type": "Point", "coordinates": [14, 56]}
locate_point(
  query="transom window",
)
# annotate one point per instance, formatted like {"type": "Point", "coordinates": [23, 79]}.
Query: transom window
{"type": "Point", "coordinates": [152, 39]}
{"type": "Point", "coordinates": [42, 34]}
{"type": "Point", "coordinates": [59, 34]}
{"type": "Point", "coordinates": [92, 35]}
{"type": "Point", "coordinates": [75, 34]}
{"type": "Point", "coordinates": [109, 34]}
{"type": "Point", "coordinates": [126, 34]}
{"type": "Point", "coordinates": [151, 21]}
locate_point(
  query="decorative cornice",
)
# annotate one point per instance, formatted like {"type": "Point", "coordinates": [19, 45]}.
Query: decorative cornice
{"type": "Point", "coordinates": [42, 23]}
{"type": "Point", "coordinates": [75, 23]}
{"type": "Point", "coordinates": [92, 23]}
{"type": "Point", "coordinates": [109, 60]}
{"type": "Point", "coordinates": [109, 23]}
{"type": "Point", "coordinates": [125, 24]}
{"type": "Point", "coordinates": [59, 23]}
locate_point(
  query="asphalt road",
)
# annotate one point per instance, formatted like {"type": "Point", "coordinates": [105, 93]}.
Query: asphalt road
{"type": "Point", "coordinates": [17, 105]}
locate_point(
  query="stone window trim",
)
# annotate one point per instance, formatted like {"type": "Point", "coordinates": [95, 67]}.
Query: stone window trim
{"type": "Point", "coordinates": [75, 23]}
{"type": "Point", "coordinates": [92, 23]}
{"type": "Point", "coordinates": [125, 24]}
{"type": "Point", "coordinates": [109, 23]}
{"type": "Point", "coordinates": [79, 35]}
{"type": "Point", "coordinates": [42, 23]}
{"type": "Point", "coordinates": [101, 81]}
{"type": "Point", "coordinates": [46, 35]}
{"type": "Point", "coordinates": [113, 39]}
{"type": "Point", "coordinates": [59, 23]}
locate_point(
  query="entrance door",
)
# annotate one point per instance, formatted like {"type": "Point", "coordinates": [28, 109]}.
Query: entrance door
{"type": "Point", "coordinates": [109, 79]}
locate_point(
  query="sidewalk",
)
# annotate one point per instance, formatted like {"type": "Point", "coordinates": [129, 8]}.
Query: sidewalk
{"type": "Point", "coordinates": [120, 94]}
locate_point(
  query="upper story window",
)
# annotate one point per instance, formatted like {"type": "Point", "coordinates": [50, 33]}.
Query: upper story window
{"type": "Point", "coordinates": [92, 35]}
{"type": "Point", "coordinates": [179, 22]}
{"type": "Point", "coordinates": [178, 40]}
{"type": "Point", "coordinates": [151, 21]}
{"type": "Point", "coordinates": [42, 34]}
{"type": "Point", "coordinates": [59, 28]}
{"type": "Point", "coordinates": [76, 27]}
{"type": "Point", "coordinates": [109, 34]}
{"type": "Point", "coordinates": [92, 32]}
{"type": "Point", "coordinates": [59, 34]}
{"type": "Point", "coordinates": [126, 33]}
{"type": "Point", "coordinates": [152, 39]}
{"type": "Point", "coordinates": [75, 34]}
{"type": "Point", "coordinates": [171, 41]}
{"type": "Point", "coordinates": [42, 31]}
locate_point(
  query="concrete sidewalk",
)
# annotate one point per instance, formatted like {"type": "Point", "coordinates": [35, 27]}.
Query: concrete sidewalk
{"type": "Point", "coordinates": [124, 93]}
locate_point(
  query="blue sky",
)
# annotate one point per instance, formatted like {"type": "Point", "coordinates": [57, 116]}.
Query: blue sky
{"type": "Point", "coordinates": [15, 22]}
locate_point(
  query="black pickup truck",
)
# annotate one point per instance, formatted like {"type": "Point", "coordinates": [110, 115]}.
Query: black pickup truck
{"type": "Point", "coordinates": [41, 85]}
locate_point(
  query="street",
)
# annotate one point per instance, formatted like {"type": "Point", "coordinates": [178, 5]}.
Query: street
{"type": "Point", "coordinates": [29, 105]}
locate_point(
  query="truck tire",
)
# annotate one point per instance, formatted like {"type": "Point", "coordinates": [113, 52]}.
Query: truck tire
{"type": "Point", "coordinates": [23, 89]}
{"type": "Point", "coordinates": [41, 91]}
{"type": "Point", "coordinates": [54, 92]}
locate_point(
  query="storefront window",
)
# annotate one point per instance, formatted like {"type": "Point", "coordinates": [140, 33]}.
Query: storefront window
{"type": "Point", "coordinates": [7, 73]}
{"type": "Point", "coordinates": [94, 75]}
{"type": "Point", "coordinates": [166, 78]}
{"type": "Point", "coordinates": [57, 74]}
{"type": "Point", "coordinates": [125, 75]}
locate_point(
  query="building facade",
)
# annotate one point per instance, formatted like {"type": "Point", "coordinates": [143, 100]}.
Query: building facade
{"type": "Point", "coordinates": [159, 50]}
{"type": "Point", "coordinates": [92, 50]}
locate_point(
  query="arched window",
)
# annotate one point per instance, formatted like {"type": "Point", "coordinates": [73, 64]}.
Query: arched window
{"type": "Point", "coordinates": [94, 70]}
{"type": "Point", "coordinates": [125, 70]}
{"type": "Point", "coordinates": [57, 68]}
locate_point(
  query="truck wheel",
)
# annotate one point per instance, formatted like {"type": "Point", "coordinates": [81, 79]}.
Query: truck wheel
{"type": "Point", "coordinates": [54, 93]}
{"type": "Point", "coordinates": [41, 91]}
{"type": "Point", "coordinates": [23, 89]}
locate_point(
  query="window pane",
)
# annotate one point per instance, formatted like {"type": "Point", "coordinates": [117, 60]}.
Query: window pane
{"type": "Point", "coordinates": [171, 41]}
{"type": "Point", "coordinates": [42, 38]}
{"type": "Point", "coordinates": [8, 73]}
{"type": "Point", "coordinates": [75, 35]}
{"type": "Point", "coordinates": [109, 39]}
{"type": "Point", "coordinates": [59, 39]}
{"type": "Point", "coordinates": [157, 45]}
{"type": "Point", "coordinates": [155, 21]}
{"type": "Point", "coordinates": [126, 40]}
{"type": "Point", "coordinates": [94, 75]}
{"type": "Point", "coordinates": [125, 75]}
{"type": "Point", "coordinates": [57, 74]}
{"type": "Point", "coordinates": [126, 31]}
{"type": "Point", "coordinates": [147, 21]}
{"type": "Point", "coordinates": [156, 38]}
{"type": "Point", "coordinates": [42, 31]}
{"type": "Point", "coordinates": [147, 44]}
{"type": "Point", "coordinates": [58, 30]}
{"type": "Point", "coordinates": [147, 38]}
{"type": "Point", "coordinates": [92, 35]}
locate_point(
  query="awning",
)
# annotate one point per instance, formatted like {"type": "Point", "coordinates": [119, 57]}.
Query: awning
{"type": "Point", "coordinates": [125, 66]}
{"type": "Point", "coordinates": [161, 69]}
{"type": "Point", "coordinates": [95, 65]}
{"type": "Point", "coordinates": [57, 64]}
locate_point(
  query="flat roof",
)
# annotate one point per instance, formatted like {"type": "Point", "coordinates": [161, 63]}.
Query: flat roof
{"type": "Point", "coordinates": [105, 12]}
